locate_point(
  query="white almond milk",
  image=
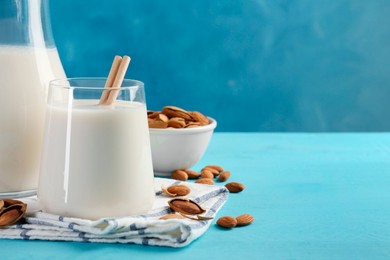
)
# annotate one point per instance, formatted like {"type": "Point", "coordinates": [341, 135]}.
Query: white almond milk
{"type": "Point", "coordinates": [24, 78]}
{"type": "Point", "coordinates": [96, 161]}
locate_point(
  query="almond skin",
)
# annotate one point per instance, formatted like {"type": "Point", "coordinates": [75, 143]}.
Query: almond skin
{"type": "Point", "coordinates": [205, 181]}
{"type": "Point", "coordinates": [192, 174]}
{"type": "Point", "coordinates": [224, 176]}
{"type": "Point", "coordinates": [244, 219]}
{"type": "Point", "coordinates": [179, 175]}
{"type": "Point", "coordinates": [227, 222]}
{"type": "Point", "coordinates": [235, 187]}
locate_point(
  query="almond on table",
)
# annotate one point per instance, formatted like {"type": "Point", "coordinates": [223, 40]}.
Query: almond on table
{"type": "Point", "coordinates": [230, 222]}
{"type": "Point", "coordinates": [227, 222]}
{"type": "Point", "coordinates": [224, 176]}
{"type": "Point", "coordinates": [179, 175]}
{"type": "Point", "coordinates": [235, 187]}
{"type": "Point", "coordinates": [207, 175]}
{"type": "Point", "coordinates": [215, 172]}
{"type": "Point", "coordinates": [192, 174]}
{"type": "Point", "coordinates": [215, 167]}
{"type": "Point", "coordinates": [244, 219]}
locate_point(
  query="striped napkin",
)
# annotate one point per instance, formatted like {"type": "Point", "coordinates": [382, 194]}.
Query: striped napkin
{"type": "Point", "coordinates": [144, 229]}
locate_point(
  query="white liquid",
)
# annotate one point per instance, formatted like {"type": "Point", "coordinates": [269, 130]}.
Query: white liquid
{"type": "Point", "coordinates": [97, 161]}
{"type": "Point", "coordinates": [24, 76]}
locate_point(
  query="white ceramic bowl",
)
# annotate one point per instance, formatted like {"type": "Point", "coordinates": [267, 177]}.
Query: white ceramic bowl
{"type": "Point", "coordinates": [174, 149]}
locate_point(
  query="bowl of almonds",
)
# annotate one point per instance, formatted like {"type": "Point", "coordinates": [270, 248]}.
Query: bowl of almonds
{"type": "Point", "coordinates": [178, 138]}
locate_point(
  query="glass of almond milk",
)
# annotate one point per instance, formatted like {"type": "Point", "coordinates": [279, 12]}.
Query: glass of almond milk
{"type": "Point", "coordinates": [96, 159]}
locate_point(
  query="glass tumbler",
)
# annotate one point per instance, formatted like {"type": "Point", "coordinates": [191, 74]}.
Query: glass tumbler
{"type": "Point", "coordinates": [96, 159]}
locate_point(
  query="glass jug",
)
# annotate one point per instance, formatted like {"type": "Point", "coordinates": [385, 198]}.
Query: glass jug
{"type": "Point", "coordinates": [28, 61]}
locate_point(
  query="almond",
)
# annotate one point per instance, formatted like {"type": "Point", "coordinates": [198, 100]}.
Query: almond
{"type": "Point", "coordinates": [11, 212]}
{"type": "Point", "coordinates": [212, 170]}
{"type": "Point", "coordinates": [244, 219]}
{"type": "Point", "coordinates": [205, 181]}
{"type": "Point", "coordinates": [186, 206]}
{"type": "Point", "coordinates": [163, 118]}
{"type": "Point", "coordinates": [156, 123]}
{"type": "Point", "coordinates": [9, 217]}
{"type": "Point", "coordinates": [207, 175]}
{"type": "Point", "coordinates": [179, 175]}
{"type": "Point", "coordinates": [192, 174]}
{"type": "Point", "coordinates": [172, 111]}
{"type": "Point", "coordinates": [179, 190]}
{"type": "Point", "coordinates": [227, 222]}
{"type": "Point", "coordinates": [224, 176]}
{"type": "Point", "coordinates": [216, 167]}
{"type": "Point", "coordinates": [152, 114]}
{"type": "Point", "coordinates": [176, 122]}
{"type": "Point", "coordinates": [199, 117]}
{"type": "Point", "coordinates": [235, 187]}
{"type": "Point", "coordinates": [192, 124]}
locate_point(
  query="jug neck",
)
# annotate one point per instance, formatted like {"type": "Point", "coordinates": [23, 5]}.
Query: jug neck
{"type": "Point", "coordinates": [25, 22]}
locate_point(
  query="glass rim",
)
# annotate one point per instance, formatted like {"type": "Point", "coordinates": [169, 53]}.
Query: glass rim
{"type": "Point", "coordinates": [65, 83]}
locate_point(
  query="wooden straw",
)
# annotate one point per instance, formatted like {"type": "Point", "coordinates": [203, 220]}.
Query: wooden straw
{"type": "Point", "coordinates": [113, 93]}
{"type": "Point", "coordinates": [110, 79]}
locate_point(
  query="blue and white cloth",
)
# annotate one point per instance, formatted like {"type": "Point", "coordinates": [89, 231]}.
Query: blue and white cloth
{"type": "Point", "coordinates": [144, 229]}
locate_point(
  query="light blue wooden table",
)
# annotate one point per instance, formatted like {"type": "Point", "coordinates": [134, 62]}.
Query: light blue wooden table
{"type": "Point", "coordinates": [314, 196]}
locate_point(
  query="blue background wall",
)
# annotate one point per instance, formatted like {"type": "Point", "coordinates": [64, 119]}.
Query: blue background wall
{"type": "Point", "coordinates": [254, 65]}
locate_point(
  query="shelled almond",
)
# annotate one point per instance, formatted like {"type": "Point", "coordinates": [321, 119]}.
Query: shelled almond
{"type": "Point", "coordinates": [186, 206]}
{"type": "Point", "coordinates": [235, 187]}
{"type": "Point", "coordinates": [179, 175]}
{"type": "Point", "coordinates": [207, 175]}
{"type": "Point", "coordinates": [176, 190]}
{"type": "Point", "coordinates": [176, 117]}
{"type": "Point", "coordinates": [215, 172]}
{"type": "Point", "coordinates": [244, 219]}
{"type": "Point", "coordinates": [224, 176]}
{"type": "Point", "coordinates": [192, 174]}
{"type": "Point", "coordinates": [215, 167]}
{"type": "Point", "coordinates": [230, 222]}
{"type": "Point", "coordinates": [227, 222]}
